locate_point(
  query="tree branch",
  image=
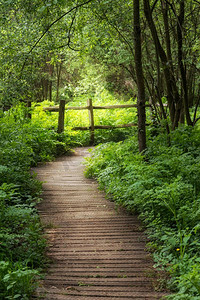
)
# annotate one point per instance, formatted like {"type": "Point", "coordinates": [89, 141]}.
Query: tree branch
{"type": "Point", "coordinates": [105, 17]}
{"type": "Point", "coordinates": [48, 28]}
{"type": "Point", "coordinates": [70, 28]}
{"type": "Point", "coordinates": [154, 5]}
{"type": "Point", "coordinates": [197, 1]}
{"type": "Point", "coordinates": [172, 7]}
{"type": "Point", "coordinates": [129, 71]}
{"type": "Point", "coordinates": [196, 108]}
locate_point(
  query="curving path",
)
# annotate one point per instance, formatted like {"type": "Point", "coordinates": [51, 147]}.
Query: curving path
{"type": "Point", "coordinates": [96, 251]}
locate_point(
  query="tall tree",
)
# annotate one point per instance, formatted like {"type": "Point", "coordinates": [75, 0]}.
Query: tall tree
{"type": "Point", "coordinates": [139, 76]}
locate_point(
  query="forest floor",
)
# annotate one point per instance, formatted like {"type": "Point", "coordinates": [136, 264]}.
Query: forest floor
{"type": "Point", "coordinates": [96, 250]}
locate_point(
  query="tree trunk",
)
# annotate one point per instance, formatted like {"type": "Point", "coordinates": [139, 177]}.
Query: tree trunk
{"type": "Point", "coordinates": [180, 22]}
{"type": "Point", "coordinates": [165, 7]}
{"type": "Point", "coordinates": [172, 92]}
{"type": "Point", "coordinates": [139, 77]}
{"type": "Point", "coordinates": [58, 69]}
{"type": "Point", "coordinates": [51, 69]}
{"type": "Point", "coordinates": [61, 116]}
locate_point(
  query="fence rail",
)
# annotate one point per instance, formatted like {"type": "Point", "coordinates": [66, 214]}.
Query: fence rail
{"type": "Point", "coordinates": [56, 108]}
{"type": "Point", "coordinates": [61, 109]}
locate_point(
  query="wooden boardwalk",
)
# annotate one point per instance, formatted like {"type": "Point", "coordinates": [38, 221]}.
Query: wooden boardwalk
{"type": "Point", "coordinates": [96, 251]}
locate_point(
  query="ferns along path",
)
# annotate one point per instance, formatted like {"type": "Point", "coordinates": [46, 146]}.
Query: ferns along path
{"type": "Point", "coordinates": [96, 251]}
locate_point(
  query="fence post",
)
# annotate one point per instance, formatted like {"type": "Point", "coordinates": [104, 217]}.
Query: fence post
{"type": "Point", "coordinates": [61, 116]}
{"type": "Point", "coordinates": [91, 118]}
{"type": "Point", "coordinates": [28, 113]}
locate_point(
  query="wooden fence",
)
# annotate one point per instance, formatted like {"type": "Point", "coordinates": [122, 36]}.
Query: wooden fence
{"type": "Point", "coordinates": [61, 109]}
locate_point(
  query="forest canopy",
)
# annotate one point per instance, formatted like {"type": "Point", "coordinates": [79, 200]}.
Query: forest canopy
{"type": "Point", "coordinates": [44, 46]}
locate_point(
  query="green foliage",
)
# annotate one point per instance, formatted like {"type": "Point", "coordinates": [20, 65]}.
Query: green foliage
{"type": "Point", "coordinates": [28, 142]}
{"type": "Point", "coordinates": [73, 118]}
{"type": "Point", "coordinates": [101, 117]}
{"type": "Point", "coordinates": [23, 144]}
{"type": "Point", "coordinates": [163, 187]}
{"type": "Point", "coordinates": [16, 281]}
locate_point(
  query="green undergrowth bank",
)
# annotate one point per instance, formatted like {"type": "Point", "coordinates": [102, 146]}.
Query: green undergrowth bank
{"type": "Point", "coordinates": [22, 144]}
{"type": "Point", "coordinates": [163, 186]}
{"type": "Point", "coordinates": [76, 118]}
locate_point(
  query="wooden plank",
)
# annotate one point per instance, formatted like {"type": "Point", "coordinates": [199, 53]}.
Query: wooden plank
{"type": "Point", "coordinates": [104, 126]}
{"type": "Point", "coordinates": [76, 107]}
{"type": "Point", "coordinates": [56, 108]}
{"type": "Point", "coordinates": [96, 251]}
{"type": "Point", "coordinates": [115, 106]}
{"type": "Point", "coordinates": [115, 126]}
{"type": "Point", "coordinates": [82, 128]}
{"type": "Point", "coordinates": [51, 108]}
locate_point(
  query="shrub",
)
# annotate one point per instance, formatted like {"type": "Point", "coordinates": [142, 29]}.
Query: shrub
{"type": "Point", "coordinates": [163, 186]}
{"type": "Point", "coordinates": [23, 144]}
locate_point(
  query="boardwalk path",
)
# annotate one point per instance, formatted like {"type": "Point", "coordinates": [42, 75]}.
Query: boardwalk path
{"type": "Point", "coordinates": [97, 252]}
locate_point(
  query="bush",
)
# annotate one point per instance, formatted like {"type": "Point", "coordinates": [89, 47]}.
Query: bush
{"type": "Point", "coordinates": [23, 144]}
{"type": "Point", "coordinates": [163, 186]}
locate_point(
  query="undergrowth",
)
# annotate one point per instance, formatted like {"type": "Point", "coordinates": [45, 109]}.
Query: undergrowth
{"type": "Point", "coordinates": [74, 118]}
{"type": "Point", "coordinates": [110, 117]}
{"type": "Point", "coordinates": [23, 144]}
{"type": "Point", "coordinates": [163, 186]}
